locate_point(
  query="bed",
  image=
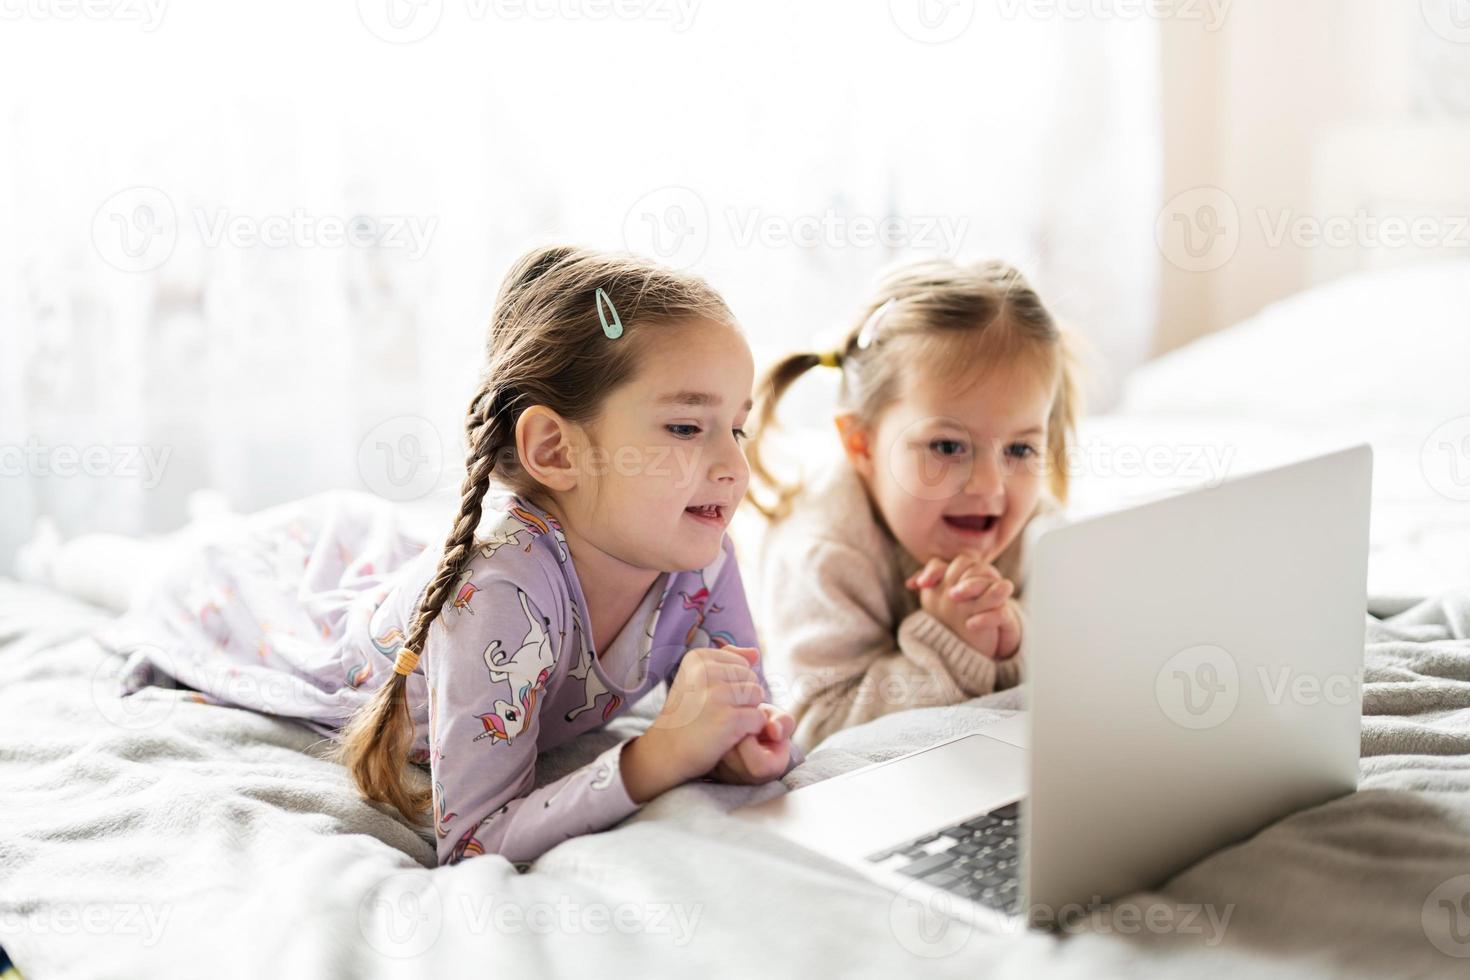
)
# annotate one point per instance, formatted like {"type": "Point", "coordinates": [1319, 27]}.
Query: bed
{"type": "Point", "coordinates": [162, 837]}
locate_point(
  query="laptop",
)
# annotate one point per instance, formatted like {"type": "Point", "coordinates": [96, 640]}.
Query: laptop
{"type": "Point", "coordinates": [1195, 672]}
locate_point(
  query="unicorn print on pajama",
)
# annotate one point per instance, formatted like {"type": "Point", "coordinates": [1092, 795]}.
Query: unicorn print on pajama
{"type": "Point", "coordinates": [520, 676]}
{"type": "Point", "coordinates": [526, 671]}
{"type": "Point", "coordinates": [510, 672]}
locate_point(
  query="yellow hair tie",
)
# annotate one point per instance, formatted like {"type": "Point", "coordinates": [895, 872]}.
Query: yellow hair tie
{"type": "Point", "coordinates": [406, 662]}
{"type": "Point", "coordinates": [830, 359]}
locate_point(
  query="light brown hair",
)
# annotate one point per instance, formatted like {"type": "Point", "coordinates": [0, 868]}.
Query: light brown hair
{"type": "Point", "coordinates": [953, 319]}
{"type": "Point", "coordinates": [548, 347]}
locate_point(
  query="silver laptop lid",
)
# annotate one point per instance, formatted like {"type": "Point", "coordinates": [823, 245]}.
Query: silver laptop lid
{"type": "Point", "coordinates": [1196, 668]}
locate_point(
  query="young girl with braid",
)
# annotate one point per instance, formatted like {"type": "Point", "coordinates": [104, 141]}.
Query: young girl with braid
{"type": "Point", "coordinates": [588, 563]}
{"type": "Point", "coordinates": [890, 580]}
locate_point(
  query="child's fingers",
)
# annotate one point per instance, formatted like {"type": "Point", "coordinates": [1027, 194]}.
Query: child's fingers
{"type": "Point", "coordinates": [772, 731]}
{"type": "Point", "coordinates": [983, 640]}
{"type": "Point", "coordinates": [994, 597]}
{"type": "Point", "coordinates": [1008, 640]}
{"type": "Point", "coordinates": [990, 619]}
{"type": "Point", "coordinates": [750, 751]}
{"type": "Point", "coordinates": [785, 726]}
{"type": "Point", "coordinates": [750, 655]}
{"type": "Point", "coordinates": [745, 693]}
{"type": "Point", "coordinates": [1004, 631]}
{"type": "Point", "coordinates": [975, 586]}
{"type": "Point", "coordinates": [724, 664]}
{"type": "Point", "coordinates": [981, 620]}
{"type": "Point", "coordinates": [955, 571]}
{"type": "Point", "coordinates": [761, 760]}
{"type": "Point", "coordinates": [779, 724]}
{"type": "Point", "coordinates": [709, 676]}
{"type": "Point", "coordinates": [733, 655]}
{"type": "Point", "coordinates": [928, 576]}
{"type": "Point", "coordinates": [746, 725]}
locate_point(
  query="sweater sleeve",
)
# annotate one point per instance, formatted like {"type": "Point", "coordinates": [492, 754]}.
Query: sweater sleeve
{"type": "Point", "coordinates": [483, 746]}
{"type": "Point", "coordinates": [846, 662]}
{"type": "Point", "coordinates": [729, 621]}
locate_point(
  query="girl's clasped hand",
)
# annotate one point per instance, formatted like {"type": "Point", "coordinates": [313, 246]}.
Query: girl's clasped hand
{"type": "Point", "coordinates": [974, 600]}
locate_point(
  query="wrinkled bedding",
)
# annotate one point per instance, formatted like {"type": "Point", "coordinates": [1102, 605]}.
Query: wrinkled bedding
{"type": "Point", "coordinates": [171, 838]}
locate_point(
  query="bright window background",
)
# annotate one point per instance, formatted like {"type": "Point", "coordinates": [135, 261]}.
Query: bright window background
{"type": "Point", "coordinates": [142, 163]}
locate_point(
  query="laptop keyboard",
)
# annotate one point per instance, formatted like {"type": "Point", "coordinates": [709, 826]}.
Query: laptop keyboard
{"type": "Point", "coordinates": [978, 859]}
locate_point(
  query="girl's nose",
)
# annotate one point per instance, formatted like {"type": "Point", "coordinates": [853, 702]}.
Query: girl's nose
{"type": "Point", "coordinates": [985, 478]}
{"type": "Point", "coordinates": [729, 465]}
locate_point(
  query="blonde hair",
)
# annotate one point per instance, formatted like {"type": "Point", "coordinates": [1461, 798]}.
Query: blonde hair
{"type": "Point", "coordinates": [546, 347]}
{"type": "Point", "coordinates": [951, 318]}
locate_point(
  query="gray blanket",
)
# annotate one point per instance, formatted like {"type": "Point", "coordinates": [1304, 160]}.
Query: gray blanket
{"type": "Point", "coordinates": [168, 838]}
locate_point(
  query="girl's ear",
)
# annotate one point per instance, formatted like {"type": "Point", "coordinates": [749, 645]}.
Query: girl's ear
{"type": "Point", "coordinates": [547, 444]}
{"type": "Point", "coordinates": [856, 442]}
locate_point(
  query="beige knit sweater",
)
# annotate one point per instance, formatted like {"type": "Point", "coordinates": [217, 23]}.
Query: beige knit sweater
{"type": "Point", "coordinates": [845, 641]}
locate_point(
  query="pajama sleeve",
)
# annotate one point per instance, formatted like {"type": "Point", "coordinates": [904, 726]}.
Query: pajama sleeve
{"type": "Point", "coordinates": [732, 623]}
{"type": "Point", "coordinates": [483, 744]}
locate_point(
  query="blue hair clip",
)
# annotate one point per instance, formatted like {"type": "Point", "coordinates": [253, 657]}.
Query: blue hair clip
{"type": "Point", "coordinates": [614, 330]}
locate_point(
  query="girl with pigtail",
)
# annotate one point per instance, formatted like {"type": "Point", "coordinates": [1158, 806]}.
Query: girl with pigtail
{"type": "Point", "coordinates": [890, 579]}
{"type": "Point", "coordinates": [587, 563]}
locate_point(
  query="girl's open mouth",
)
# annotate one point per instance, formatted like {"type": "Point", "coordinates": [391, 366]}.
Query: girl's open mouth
{"type": "Point", "coordinates": [708, 514]}
{"type": "Point", "coordinates": [972, 523]}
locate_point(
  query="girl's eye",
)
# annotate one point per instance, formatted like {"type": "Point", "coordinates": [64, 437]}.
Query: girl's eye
{"type": "Point", "coordinates": [1021, 450]}
{"type": "Point", "coordinates": [684, 430]}
{"type": "Point", "coordinates": [947, 447]}
{"type": "Point", "coordinates": [739, 434]}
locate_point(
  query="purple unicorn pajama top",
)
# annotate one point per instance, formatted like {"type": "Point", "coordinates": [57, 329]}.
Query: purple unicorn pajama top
{"type": "Point", "coordinates": [301, 613]}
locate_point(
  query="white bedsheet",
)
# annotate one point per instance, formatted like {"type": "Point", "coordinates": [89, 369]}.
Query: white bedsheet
{"type": "Point", "coordinates": [195, 839]}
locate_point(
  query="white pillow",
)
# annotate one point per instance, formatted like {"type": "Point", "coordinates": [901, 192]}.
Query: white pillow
{"type": "Point", "coordinates": [1395, 342]}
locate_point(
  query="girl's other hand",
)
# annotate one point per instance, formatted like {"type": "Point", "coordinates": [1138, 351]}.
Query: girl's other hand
{"type": "Point", "coordinates": [762, 757]}
{"type": "Point", "coordinates": [973, 600]}
{"type": "Point", "coordinates": [1005, 619]}
{"type": "Point", "coordinates": [713, 703]}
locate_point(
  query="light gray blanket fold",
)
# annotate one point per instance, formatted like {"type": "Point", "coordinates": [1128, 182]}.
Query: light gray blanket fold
{"type": "Point", "coordinates": [168, 838]}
